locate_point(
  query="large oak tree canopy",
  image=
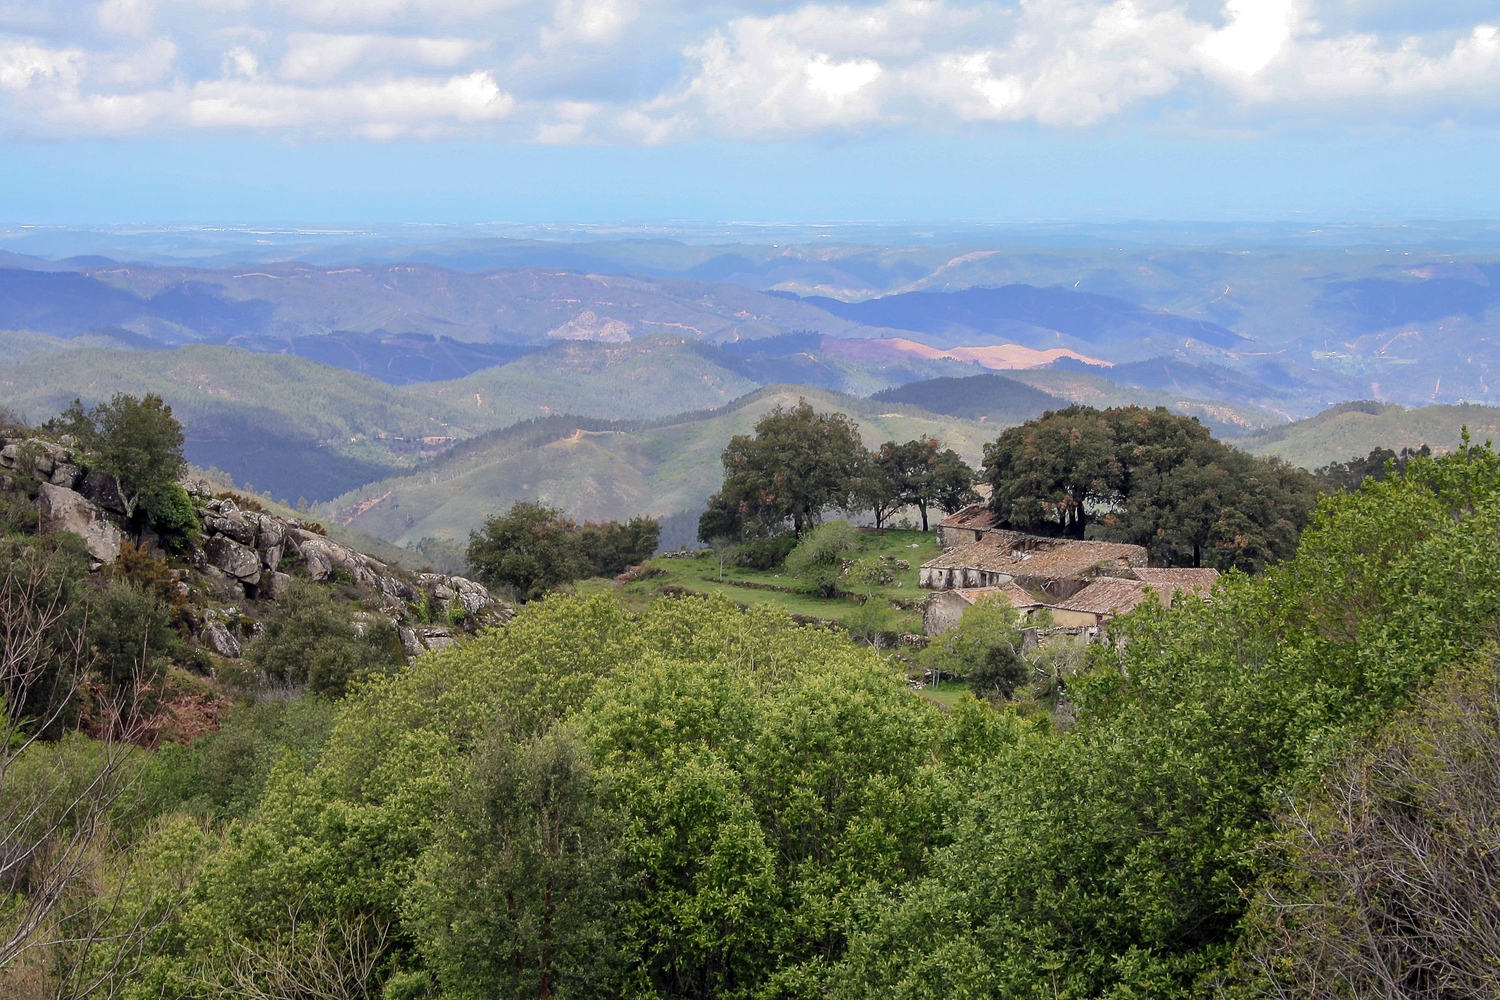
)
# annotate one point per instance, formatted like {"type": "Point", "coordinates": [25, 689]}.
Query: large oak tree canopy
{"type": "Point", "coordinates": [798, 464]}
{"type": "Point", "coordinates": [1149, 477]}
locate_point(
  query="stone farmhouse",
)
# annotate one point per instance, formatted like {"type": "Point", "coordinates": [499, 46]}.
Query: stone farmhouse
{"type": "Point", "coordinates": [1057, 566]}
{"type": "Point", "coordinates": [1082, 584]}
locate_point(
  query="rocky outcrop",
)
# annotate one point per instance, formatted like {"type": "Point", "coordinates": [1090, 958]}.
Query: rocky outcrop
{"type": "Point", "coordinates": [256, 548]}
{"type": "Point", "coordinates": [472, 597]}
{"type": "Point", "coordinates": [233, 558]}
{"type": "Point", "coordinates": [64, 510]}
{"type": "Point", "coordinates": [221, 641]}
{"type": "Point", "coordinates": [242, 550]}
{"type": "Point", "coordinates": [42, 459]}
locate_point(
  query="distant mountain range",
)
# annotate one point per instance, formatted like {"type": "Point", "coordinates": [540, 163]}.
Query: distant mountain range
{"type": "Point", "coordinates": [1032, 317]}
{"type": "Point", "coordinates": [1294, 328]}
{"type": "Point", "coordinates": [298, 428]}
{"type": "Point", "coordinates": [324, 379]}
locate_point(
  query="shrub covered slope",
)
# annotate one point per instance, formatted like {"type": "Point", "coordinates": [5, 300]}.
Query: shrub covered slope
{"type": "Point", "coordinates": [697, 801]}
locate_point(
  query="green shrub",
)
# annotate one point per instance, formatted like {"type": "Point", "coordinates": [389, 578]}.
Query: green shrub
{"type": "Point", "coordinates": [314, 645]}
{"type": "Point", "coordinates": [170, 512]}
{"type": "Point", "coordinates": [130, 630]}
{"type": "Point", "coordinates": [819, 557]}
{"type": "Point", "coordinates": [765, 554]}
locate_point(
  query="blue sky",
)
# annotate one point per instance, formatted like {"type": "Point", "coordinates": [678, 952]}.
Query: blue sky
{"type": "Point", "coordinates": [605, 110]}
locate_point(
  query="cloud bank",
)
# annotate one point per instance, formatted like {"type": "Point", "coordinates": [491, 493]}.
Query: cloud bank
{"type": "Point", "coordinates": [625, 71]}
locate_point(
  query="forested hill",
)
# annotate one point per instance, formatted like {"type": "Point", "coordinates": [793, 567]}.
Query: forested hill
{"type": "Point", "coordinates": [1357, 428]}
{"type": "Point", "coordinates": [603, 471]}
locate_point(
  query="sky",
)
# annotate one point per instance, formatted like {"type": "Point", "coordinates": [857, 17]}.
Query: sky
{"type": "Point", "coordinates": [613, 110]}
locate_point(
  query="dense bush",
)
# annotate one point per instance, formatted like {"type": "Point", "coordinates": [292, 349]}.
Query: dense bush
{"type": "Point", "coordinates": [130, 629]}
{"type": "Point", "coordinates": [532, 548]}
{"type": "Point", "coordinates": [316, 646]}
{"type": "Point", "coordinates": [765, 554]}
{"type": "Point", "coordinates": [694, 801]}
{"type": "Point", "coordinates": [819, 558]}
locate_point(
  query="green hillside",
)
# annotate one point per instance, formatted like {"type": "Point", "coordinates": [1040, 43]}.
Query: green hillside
{"type": "Point", "coordinates": [989, 398]}
{"type": "Point", "coordinates": [282, 423]}
{"type": "Point", "coordinates": [1225, 419]}
{"type": "Point", "coordinates": [1358, 428]}
{"type": "Point", "coordinates": [636, 380]}
{"type": "Point", "coordinates": [596, 470]}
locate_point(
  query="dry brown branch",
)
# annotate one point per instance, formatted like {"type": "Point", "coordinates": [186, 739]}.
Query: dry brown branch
{"type": "Point", "coordinates": [1392, 883]}
{"type": "Point", "coordinates": [52, 816]}
{"type": "Point", "coordinates": [330, 960]}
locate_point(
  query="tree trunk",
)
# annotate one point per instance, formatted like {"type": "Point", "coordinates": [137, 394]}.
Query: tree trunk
{"type": "Point", "coordinates": [923, 508]}
{"type": "Point", "coordinates": [546, 936]}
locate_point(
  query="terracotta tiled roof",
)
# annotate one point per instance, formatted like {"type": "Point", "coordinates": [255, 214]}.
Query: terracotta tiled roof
{"type": "Point", "coordinates": [976, 515]}
{"type": "Point", "coordinates": [1050, 558]}
{"type": "Point", "coordinates": [1198, 582]}
{"type": "Point", "coordinates": [1017, 597]}
{"type": "Point", "coordinates": [1106, 596]}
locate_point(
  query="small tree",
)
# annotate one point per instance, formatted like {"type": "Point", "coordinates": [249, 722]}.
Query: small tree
{"type": "Point", "coordinates": [137, 441]}
{"type": "Point", "coordinates": [819, 557]}
{"type": "Point", "coordinates": [987, 629]}
{"type": "Point", "coordinates": [878, 489]}
{"type": "Point", "coordinates": [315, 645]}
{"type": "Point", "coordinates": [608, 547]}
{"type": "Point", "coordinates": [921, 474]}
{"type": "Point", "coordinates": [530, 548]}
{"type": "Point", "coordinates": [799, 464]}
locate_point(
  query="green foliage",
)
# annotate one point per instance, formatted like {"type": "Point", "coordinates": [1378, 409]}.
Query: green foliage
{"type": "Point", "coordinates": [315, 645]}
{"type": "Point", "coordinates": [873, 623]}
{"type": "Point", "coordinates": [1382, 876]}
{"type": "Point", "coordinates": [798, 464]}
{"type": "Point", "coordinates": [529, 549]}
{"type": "Point", "coordinates": [130, 630]}
{"type": "Point", "coordinates": [136, 440]}
{"type": "Point", "coordinates": [606, 549]}
{"type": "Point", "coordinates": [765, 553]}
{"type": "Point", "coordinates": [222, 775]}
{"type": "Point", "coordinates": [1112, 860]}
{"type": "Point", "coordinates": [532, 548]}
{"type": "Point", "coordinates": [695, 801]}
{"type": "Point", "coordinates": [1151, 478]}
{"type": "Point", "coordinates": [985, 628]}
{"type": "Point", "coordinates": [819, 558]}
{"type": "Point", "coordinates": [692, 802]}
{"type": "Point", "coordinates": [519, 893]}
{"type": "Point", "coordinates": [170, 513]}
{"type": "Point", "coordinates": [921, 474]}
{"type": "Point", "coordinates": [42, 580]}
{"type": "Point", "coordinates": [1351, 474]}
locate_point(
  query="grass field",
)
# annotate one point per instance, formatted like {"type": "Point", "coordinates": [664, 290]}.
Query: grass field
{"type": "Point", "coordinates": [948, 693]}
{"type": "Point", "coordinates": [702, 574]}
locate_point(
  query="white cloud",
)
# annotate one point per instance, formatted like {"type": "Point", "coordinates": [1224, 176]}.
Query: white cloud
{"type": "Point", "coordinates": [343, 12]}
{"type": "Point", "coordinates": [592, 22]}
{"type": "Point", "coordinates": [624, 70]}
{"type": "Point", "coordinates": [240, 61]}
{"type": "Point", "coordinates": [143, 67]}
{"type": "Point", "coordinates": [132, 18]}
{"type": "Point", "coordinates": [380, 110]}
{"type": "Point", "coordinates": [1258, 31]}
{"type": "Point", "coordinates": [316, 58]}
{"type": "Point", "coordinates": [26, 65]}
